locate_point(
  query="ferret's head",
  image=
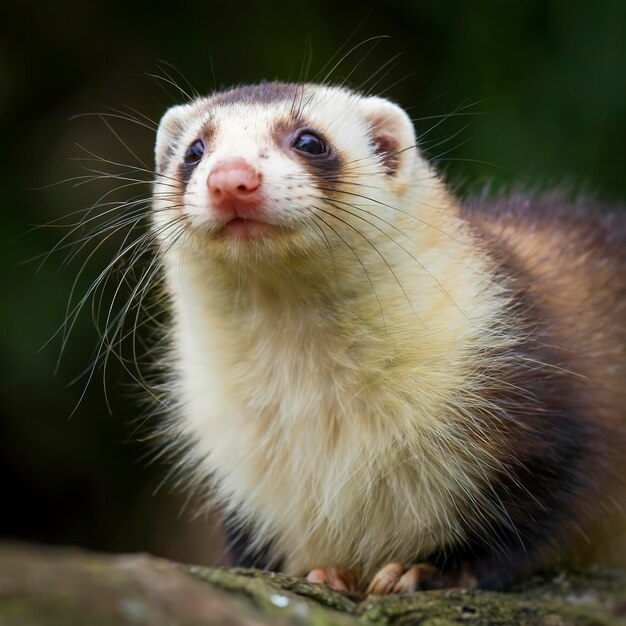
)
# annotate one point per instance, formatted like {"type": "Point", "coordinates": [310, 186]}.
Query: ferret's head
{"type": "Point", "coordinates": [275, 170]}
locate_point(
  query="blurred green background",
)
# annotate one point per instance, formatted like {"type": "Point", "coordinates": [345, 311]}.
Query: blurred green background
{"type": "Point", "coordinates": [539, 95]}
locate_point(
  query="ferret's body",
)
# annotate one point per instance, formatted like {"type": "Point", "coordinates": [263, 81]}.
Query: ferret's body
{"type": "Point", "coordinates": [368, 371]}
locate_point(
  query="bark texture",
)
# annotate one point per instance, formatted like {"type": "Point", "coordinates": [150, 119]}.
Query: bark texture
{"type": "Point", "coordinates": [42, 586]}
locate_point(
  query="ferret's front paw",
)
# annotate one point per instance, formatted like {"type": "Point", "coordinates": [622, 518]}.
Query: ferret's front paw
{"type": "Point", "coordinates": [332, 577]}
{"type": "Point", "coordinates": [395, 578]}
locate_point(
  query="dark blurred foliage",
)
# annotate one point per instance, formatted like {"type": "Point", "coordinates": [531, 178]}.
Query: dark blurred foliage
{"type": "Point", "coordinates": [537, 93]}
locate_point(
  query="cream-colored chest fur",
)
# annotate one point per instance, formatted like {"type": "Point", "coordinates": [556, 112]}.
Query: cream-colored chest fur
{"type": "Point", "coordinates": [333, 451]}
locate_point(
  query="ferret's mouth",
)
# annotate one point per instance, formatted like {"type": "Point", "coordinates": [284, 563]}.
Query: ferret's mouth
{"type": "Point", "coordinates": [247, 228]}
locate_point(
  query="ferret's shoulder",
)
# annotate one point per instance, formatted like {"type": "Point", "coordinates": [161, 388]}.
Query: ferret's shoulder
{"type": "Point", "coordinates": [566, 254]}
{"type": "Point", "coordinates": [553, 234]}
{"type": "Point", "coordinates": [555, 214]}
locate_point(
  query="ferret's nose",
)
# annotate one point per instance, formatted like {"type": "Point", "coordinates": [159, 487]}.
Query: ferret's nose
{"type": "Point", "coordinates": [233, 180]}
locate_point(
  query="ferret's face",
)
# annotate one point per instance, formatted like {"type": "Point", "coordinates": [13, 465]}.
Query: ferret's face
{"type": "Point", "coordinates": [270, 170]}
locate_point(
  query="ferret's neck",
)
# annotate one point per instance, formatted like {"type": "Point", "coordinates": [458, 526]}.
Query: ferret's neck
{"type": "Point", "coordinates": [413, 287]}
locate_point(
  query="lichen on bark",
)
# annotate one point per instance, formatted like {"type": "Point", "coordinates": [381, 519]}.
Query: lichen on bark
{"type": "Point", "coordinates": [43, 586]}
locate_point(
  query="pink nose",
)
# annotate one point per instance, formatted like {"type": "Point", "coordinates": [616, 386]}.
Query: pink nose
{"type": "Point", "coordinates": [233, 180]}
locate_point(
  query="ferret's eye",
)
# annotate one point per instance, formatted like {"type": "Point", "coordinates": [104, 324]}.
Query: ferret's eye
{"type": "Point", "coordinates": [194, 152]}
{"type": "Point", "coordinates": [310, 143]}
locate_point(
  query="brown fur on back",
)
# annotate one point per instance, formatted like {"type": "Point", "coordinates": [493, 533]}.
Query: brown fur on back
{"type": "Point", "coordinates": [568, 259]}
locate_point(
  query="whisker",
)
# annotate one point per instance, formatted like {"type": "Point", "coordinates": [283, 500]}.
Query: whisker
{"type": "Point", "coordinates": [356, 207]}
{"type": "Point", "coordinates": [192, 89]}
{"type": "Point", "coordinates": [393, 208]}
{"type": "Point", "coordinates": [445, 118]}
{"type": "Point", "coordinates": [358, 258]}
{"type": "Point", "coordinates": [380, 254]}
{"type": "Point", "coordinates": [113, 325]}
{"type": "Point", "coordinates": [168, 80]}
{"type": "Point", "coordinates": [116, 115]}
{"type": "Point", "coordinates": [126, 146]}
{"type": "Point", "coordinates": [326, 74]}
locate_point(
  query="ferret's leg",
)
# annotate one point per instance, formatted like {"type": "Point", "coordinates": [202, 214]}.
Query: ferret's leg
{"type": "Point", "coordinates": [240, 549]}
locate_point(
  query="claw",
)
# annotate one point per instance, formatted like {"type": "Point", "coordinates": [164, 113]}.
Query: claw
{"type": "Point", "coordinates": [395, 578]}
{"type": "Point", "coordinates": [337, 579]}
{"type": "Point", "coordinates": [385, 579]}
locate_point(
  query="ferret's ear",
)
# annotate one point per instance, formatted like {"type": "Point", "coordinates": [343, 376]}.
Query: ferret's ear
{"type": "Point", "coordinates": [393, 136]}
{"type": "Point", "coordinates": [170, 128]}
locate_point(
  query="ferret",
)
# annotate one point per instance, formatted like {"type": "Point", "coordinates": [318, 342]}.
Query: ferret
{"type": "Point", "coordinates": [387, 388]}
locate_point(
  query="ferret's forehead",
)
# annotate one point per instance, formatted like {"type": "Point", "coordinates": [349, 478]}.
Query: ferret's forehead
{"type": "Point", "coordinates": [256, 105]}
{"type": "Point", "coordinates": [293, 95]}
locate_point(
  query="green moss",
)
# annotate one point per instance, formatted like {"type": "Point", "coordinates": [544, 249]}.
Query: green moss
{"type": "Point", "coordinates": [572, 599]}
{"type": "Point", "coordinates": [61, 587]}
